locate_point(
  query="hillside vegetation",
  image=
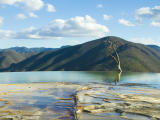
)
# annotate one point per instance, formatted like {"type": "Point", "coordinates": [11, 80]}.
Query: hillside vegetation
{"type": "Point", "coordinates": [93, 56]}
{"type": "Point", "coordinates": [8, 58]}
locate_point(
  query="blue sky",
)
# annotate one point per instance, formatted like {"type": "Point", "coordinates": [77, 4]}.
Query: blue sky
{"type": "Point", "coordinates": [54, 23]}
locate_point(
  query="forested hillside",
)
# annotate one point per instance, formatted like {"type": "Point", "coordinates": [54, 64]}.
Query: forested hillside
{"type": "Point", "coordinates": [93, 56]}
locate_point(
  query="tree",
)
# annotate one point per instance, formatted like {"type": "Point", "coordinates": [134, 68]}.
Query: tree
{"type": "Point", "coordinates": [112, 47]}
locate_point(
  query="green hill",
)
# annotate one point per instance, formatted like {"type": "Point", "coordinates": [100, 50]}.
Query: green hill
{"type": "Point", "coordinates": [93, 56]}
{"type": "Point", "coordinates": [27, 55]}
{"type": "Point", "coordinates": [10, 57]}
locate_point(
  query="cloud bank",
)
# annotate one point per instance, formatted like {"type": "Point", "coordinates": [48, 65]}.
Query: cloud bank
{"type": "Point", "coordinates": [149, 13]}
{"type": "Point", "coordinates": [155, 23]}
{"type": "Point", "coordinates": [146, 41]}
{"type": "Point", "coordinates": [29, 5]}
{"type": "Point", "coordinates": [58, 28]}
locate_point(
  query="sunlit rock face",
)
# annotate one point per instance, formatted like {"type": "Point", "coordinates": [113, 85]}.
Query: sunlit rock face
{"type": "Point", "coordinates": [77, 101]}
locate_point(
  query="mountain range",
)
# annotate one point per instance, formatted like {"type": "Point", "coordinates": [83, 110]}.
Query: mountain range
{"type": "Point", "coordinates": [14, 55]}
{"type": "Point", "coordinates": [93, 56]}
{"type": "Point", "coordinates": [28, 50]}
{"type": "Point", "coordinates": [157, 48]}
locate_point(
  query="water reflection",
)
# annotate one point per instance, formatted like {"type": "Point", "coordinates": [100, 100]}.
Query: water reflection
{"type": "Point", "coordinates": [117, 79]}
{"type": "Point", "coordinates": [82, 77]}
{"type": "Point", "coordinates": [38, 101]}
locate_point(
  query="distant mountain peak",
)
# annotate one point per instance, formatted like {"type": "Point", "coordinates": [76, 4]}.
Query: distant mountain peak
{"type": "Point", "coordinates": [28, 50]}
{"type": "Point", "coordinates": [157, 48]}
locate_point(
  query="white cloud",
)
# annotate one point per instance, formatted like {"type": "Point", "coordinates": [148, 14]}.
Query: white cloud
{"type": "Point", "coordinates": [28, 33]}
{"type": "Point", "coordinates": [50, 8]}
{"type": "Point", "coordinates": [1, 21]}
{"type": "Point", "coordinates": [149, 13]}
{"type": "Point", "coordinates": [144, 10]}
{"type": "Point", "coordinates": [72, 41]}
{"type": "Point", "coordinates": [147, 41]}
{"type": "Point", "coordinates": [20, 16]}
{"type": "Point", "coordinates": [28, 30]}
{"type": "Point", "coordinates": [157, 7]}
{"type": "Point", "coordinates": [56, 29]}
{"type": "Point", "coordinates": [99, 6]}
{"type": "Point", "coordinates": [107, 17]}
{"type": "Point", "coordinates": [4, 34]}
{"type": "Point", "coordinates": [89, 19]}
{"type": "Point", "coordinates": [155, 23]}
{"type": "Point", "coordinates": [125, 22]}
{"type": "Point", "coordinates": [78, 27]}
{"type": "Point", "coordinates": [32, 15]}
{"type": "Point", "coordinates": [10, 2]}
{"type": "Point", "coordinates": [30, 5]}
{"type": "Point", "coordinates": [3, 6]}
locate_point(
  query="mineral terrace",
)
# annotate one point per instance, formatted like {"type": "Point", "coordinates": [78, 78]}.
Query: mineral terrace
{"type": "Point", "coordinates": [77, 101]}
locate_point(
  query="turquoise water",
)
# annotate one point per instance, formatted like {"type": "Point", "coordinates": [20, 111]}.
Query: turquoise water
{"type": "Point", "coordinates": [83, 77]}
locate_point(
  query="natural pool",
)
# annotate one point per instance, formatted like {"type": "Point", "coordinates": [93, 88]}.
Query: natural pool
{"type": "Point", "coordinates": [76, 76]}
{"type": "Point", "coordinates": [79, 96]}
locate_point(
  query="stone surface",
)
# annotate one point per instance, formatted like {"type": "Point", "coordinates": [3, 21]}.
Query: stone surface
{"type": "Point", "coordinates": [51, 101]}
{"type": "Point", "coordinates": [37, 101]}
{"type": "Point", "coordinates": [138, 103]}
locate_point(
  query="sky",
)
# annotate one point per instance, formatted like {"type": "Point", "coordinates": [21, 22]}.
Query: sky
{"type": "Point", "coordinates": [54, 23]}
